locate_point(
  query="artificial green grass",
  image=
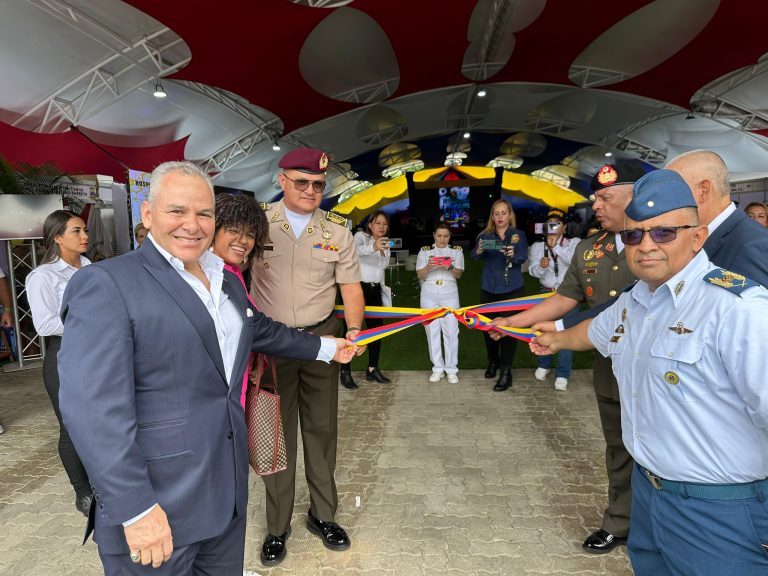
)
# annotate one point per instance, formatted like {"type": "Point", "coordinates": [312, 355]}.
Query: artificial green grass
{"type": "Point", "coordinates": [407, 350]}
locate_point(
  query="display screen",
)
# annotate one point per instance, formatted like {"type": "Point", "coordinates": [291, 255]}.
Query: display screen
{"type": "Point", "coordinates": [454, 206]}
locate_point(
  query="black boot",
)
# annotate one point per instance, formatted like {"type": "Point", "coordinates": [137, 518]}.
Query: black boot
{"type": "Point", "coordinates": [375, 374]}
{"type": "Point", "coordinates": [490, 372]}
{"type": "Point", "coordinates": [345, 377]}
{"type": "Point", "coordinates": [504, 381]}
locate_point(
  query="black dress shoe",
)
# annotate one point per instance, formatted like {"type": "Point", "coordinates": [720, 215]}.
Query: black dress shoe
{"type": "Point", "coordinates": [273, 550]}
{"type": "Point", "coordinates": [345, 377]}
{"type": "Point", "coordinates": [83, 504]}
{"type": "Point", "coordinates": [504, 381]}
{"type": "Point", "coordinates": [376, 374]}
{"type": "Point", "coordinates": [490, 372]}
{"type": "Point", "coordinates": [334, 537]}
{"type": "Point", "coordinates": [600, 542]}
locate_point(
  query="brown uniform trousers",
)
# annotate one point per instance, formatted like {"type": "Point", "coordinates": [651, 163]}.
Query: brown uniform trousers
{"type": "Point", "coordinates": [598, 272]}
{"type": "Point", "coordinates": [296, 282]}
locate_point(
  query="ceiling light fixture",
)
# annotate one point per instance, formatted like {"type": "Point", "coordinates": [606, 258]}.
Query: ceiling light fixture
{"type": "Point", "coordinates": [466, 135]}
{"type": "Point", "coordinates": [275, 146]}
{"type": "Point", "coordinates": [608, 154]}
{"type": "Point", "coordinates": [481, 93]}
{"type": "Point", "coordinates": [159, 91]}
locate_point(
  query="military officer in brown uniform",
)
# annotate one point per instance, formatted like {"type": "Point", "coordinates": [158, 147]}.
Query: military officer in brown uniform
{"type": "Point", "coordinates": [311, 253]}
{"type": "Point", "coordinates": [599, 272]}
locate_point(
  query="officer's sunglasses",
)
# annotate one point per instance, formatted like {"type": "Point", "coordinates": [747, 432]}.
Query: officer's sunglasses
{"type": "Point", "coordinates": [659, 234]}
{"type": "Point", "coordinates": [301, 184]}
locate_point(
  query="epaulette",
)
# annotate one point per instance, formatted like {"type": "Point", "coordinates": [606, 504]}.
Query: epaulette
{"type": "Point", "coordinates": [456, 247]}
{"type": "Point", "coordinates": [264, 206]}
{"type": "Point", "coordinates": [426, 247]}
{"type": "Point", "coordinates": [336, 218]}
{"type": "Point", "coordinates": [731, 281]}
{"type": "Point", "coordinates": [593, 232]}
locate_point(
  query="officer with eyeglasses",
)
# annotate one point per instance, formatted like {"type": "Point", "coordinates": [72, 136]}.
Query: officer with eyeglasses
{"type": "Point", "coordinates": [311, 255]}
{"type": "Point", "coordinates": [687, 348]}
{"type": "Point", "coordinates": [597, 273]}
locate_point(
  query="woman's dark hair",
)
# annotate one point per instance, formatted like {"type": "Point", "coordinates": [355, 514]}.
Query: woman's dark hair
{"type": "Point", "coordinates": [55, 225]}
{"type": "Point", "coordinates": [375, 214]}
{"type": "Point", "coordinates": [444, 225]}
{"type": "Point", "coordinates": [243, 212]}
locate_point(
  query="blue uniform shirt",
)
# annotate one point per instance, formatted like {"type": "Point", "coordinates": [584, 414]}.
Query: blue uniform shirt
{"type": "Point", "coordinates": [495, 263]}
{"type": "Point", "coordinates": [691, 361]}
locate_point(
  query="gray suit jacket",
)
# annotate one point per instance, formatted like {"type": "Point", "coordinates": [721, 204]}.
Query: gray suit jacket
{"type": "Point", "coordinates": [145, 399]}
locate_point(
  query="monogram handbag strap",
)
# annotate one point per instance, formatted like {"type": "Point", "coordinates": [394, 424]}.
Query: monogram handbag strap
{"type": "Point", "coordinates": [271, 362]}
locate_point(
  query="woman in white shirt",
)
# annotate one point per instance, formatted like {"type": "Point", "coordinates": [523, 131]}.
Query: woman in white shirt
{"type": "Point", "coordinates": [66, 239]}
{"type": "Point", "coordinates": [548, 261]}
{"type": "Point", "coordinates": [373, 249]}
{"type": "Point", "coordinates": [438, 267]}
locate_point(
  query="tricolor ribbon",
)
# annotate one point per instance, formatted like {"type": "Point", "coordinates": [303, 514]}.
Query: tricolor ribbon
{"type": "Point", "coordinates": [470, 316]}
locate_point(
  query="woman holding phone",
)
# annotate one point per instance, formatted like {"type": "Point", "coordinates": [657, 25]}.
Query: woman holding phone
{"type": "Point", "coordinates": [372, 247]}
{"type": "Point", "coordinates": [438, 267]}
{"type": "Point", "coordinates": [502, 249]}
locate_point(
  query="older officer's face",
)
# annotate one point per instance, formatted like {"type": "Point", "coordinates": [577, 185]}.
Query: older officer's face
{"type": "Point", "coordinates": [302, 193]}
{"type": "Point", "coordinates": [609, 206]}
{"type": "Point", "coordinates": [181, 216]}
{"type": "Point", "coordinates": [656, 261]}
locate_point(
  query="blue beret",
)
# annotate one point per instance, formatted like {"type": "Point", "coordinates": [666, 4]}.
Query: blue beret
{"type": "Point", "coordinates": [619, 172]}
{"type": "Point", "coordinates": [657, 193]}
{"type": "Point", "coordinates": [306, 160]}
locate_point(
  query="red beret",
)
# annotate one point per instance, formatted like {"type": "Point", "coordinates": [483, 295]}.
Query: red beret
{"type": "Point", "coordinates": [306, 160]}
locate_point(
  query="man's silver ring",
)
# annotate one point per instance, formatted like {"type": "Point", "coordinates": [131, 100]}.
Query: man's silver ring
{"type": "Point", "coordinates": [135, 556]}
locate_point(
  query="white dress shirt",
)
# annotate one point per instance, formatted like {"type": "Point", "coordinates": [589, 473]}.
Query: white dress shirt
{"type": "Point", "coordinates": [720, 218]}
{"type": "Point", "coordinates": [562, 250]}
{"type": "Point", "coordinates": [45, 291]}
{"type": "Point", "coordinates": [372, 262]}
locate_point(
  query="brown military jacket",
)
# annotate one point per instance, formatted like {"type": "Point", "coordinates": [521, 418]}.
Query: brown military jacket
{"type": "Point", "coordinates": [295, 281]}
{"type": "Point", "coordinates": [597, 273]}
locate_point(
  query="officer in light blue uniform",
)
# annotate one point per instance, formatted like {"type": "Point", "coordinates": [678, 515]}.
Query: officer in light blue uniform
{"type": "Point", "coordinates": [688, 348]}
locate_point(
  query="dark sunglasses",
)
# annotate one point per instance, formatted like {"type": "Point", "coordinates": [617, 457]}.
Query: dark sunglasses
{"type": "Point", "coordinates": [301, 184]}
{"type": "Point", "coordinates": [659, 234]}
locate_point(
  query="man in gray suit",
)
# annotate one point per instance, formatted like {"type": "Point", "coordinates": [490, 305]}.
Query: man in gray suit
{"type": "Point", "coordinates": [151, 367]}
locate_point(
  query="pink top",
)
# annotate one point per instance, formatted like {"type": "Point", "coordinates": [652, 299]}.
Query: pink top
{"type": "Point", "coordinates": [236, 272]}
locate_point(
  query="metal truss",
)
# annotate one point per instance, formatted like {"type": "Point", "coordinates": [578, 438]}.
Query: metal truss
{"type": "Point", "coordinates": [375, 92]}
{"type": "Point", "coordinates": [720, 108]}
{"type": "Point", "coordinates": [621, 140]}
{"type": "Point", "coordinates": [385, 136]}
{"type": "Point", "coordinates": [240, 149]}
{"type": "Point", "coordinates": [127, 68]}
{"type": "Point", "coordinates": [550, 125]}
{"type": "Point", "coordinates": [239, 106]}
{"type": "Point", "coordinates": [22, 259]}
{"type": "Point", "coordinates": [322, 3]}
{"type": "Point", "coordinates": [590, 77]}
{"type": "Point", "coordinates": [495, 28]}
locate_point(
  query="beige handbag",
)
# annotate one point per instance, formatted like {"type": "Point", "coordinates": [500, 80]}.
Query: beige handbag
{"type": "Point", "coordinates": [266, 441]}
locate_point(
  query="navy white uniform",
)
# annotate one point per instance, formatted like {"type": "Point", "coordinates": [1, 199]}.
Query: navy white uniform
{"type": "Point", "coordinates": [439, 289]}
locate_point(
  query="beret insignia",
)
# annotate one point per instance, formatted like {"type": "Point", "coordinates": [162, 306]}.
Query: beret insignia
{"type": "Point", "coordinates": [607, 175]}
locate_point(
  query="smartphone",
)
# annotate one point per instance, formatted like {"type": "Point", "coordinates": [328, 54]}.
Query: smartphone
{"type": "Point", "coordinates": [492, 244]}
{"type": "Point", "coordinates": [553, 227]}
{"type": "Point", "coordinates": [392, 243]}
{"type": "Point", "coordinates": [442, 260]}
{"type": "Point", "coordinates": [538, 228]}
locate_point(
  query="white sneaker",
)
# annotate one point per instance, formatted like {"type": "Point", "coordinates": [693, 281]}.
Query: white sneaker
{"type": "Point", "coordinates": [541, 373]}
{"type": "Point", "coordinates": [435, 376]}
{"type": "Point", "coordinates": [561, 383]}
{"type": "Point", "coordinates": [453, 379]}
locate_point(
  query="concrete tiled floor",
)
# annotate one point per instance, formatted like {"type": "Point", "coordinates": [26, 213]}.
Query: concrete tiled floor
{"type": "Point", "coordinates": [451, 479]}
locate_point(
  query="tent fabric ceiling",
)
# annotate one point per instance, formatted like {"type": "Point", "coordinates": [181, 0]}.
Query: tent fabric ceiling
{"type": "Point", "coordinates": [353, 77]}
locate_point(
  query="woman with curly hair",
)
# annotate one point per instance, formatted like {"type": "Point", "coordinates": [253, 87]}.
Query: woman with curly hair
{"type": "Point", "coordinates": [241, 232]}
